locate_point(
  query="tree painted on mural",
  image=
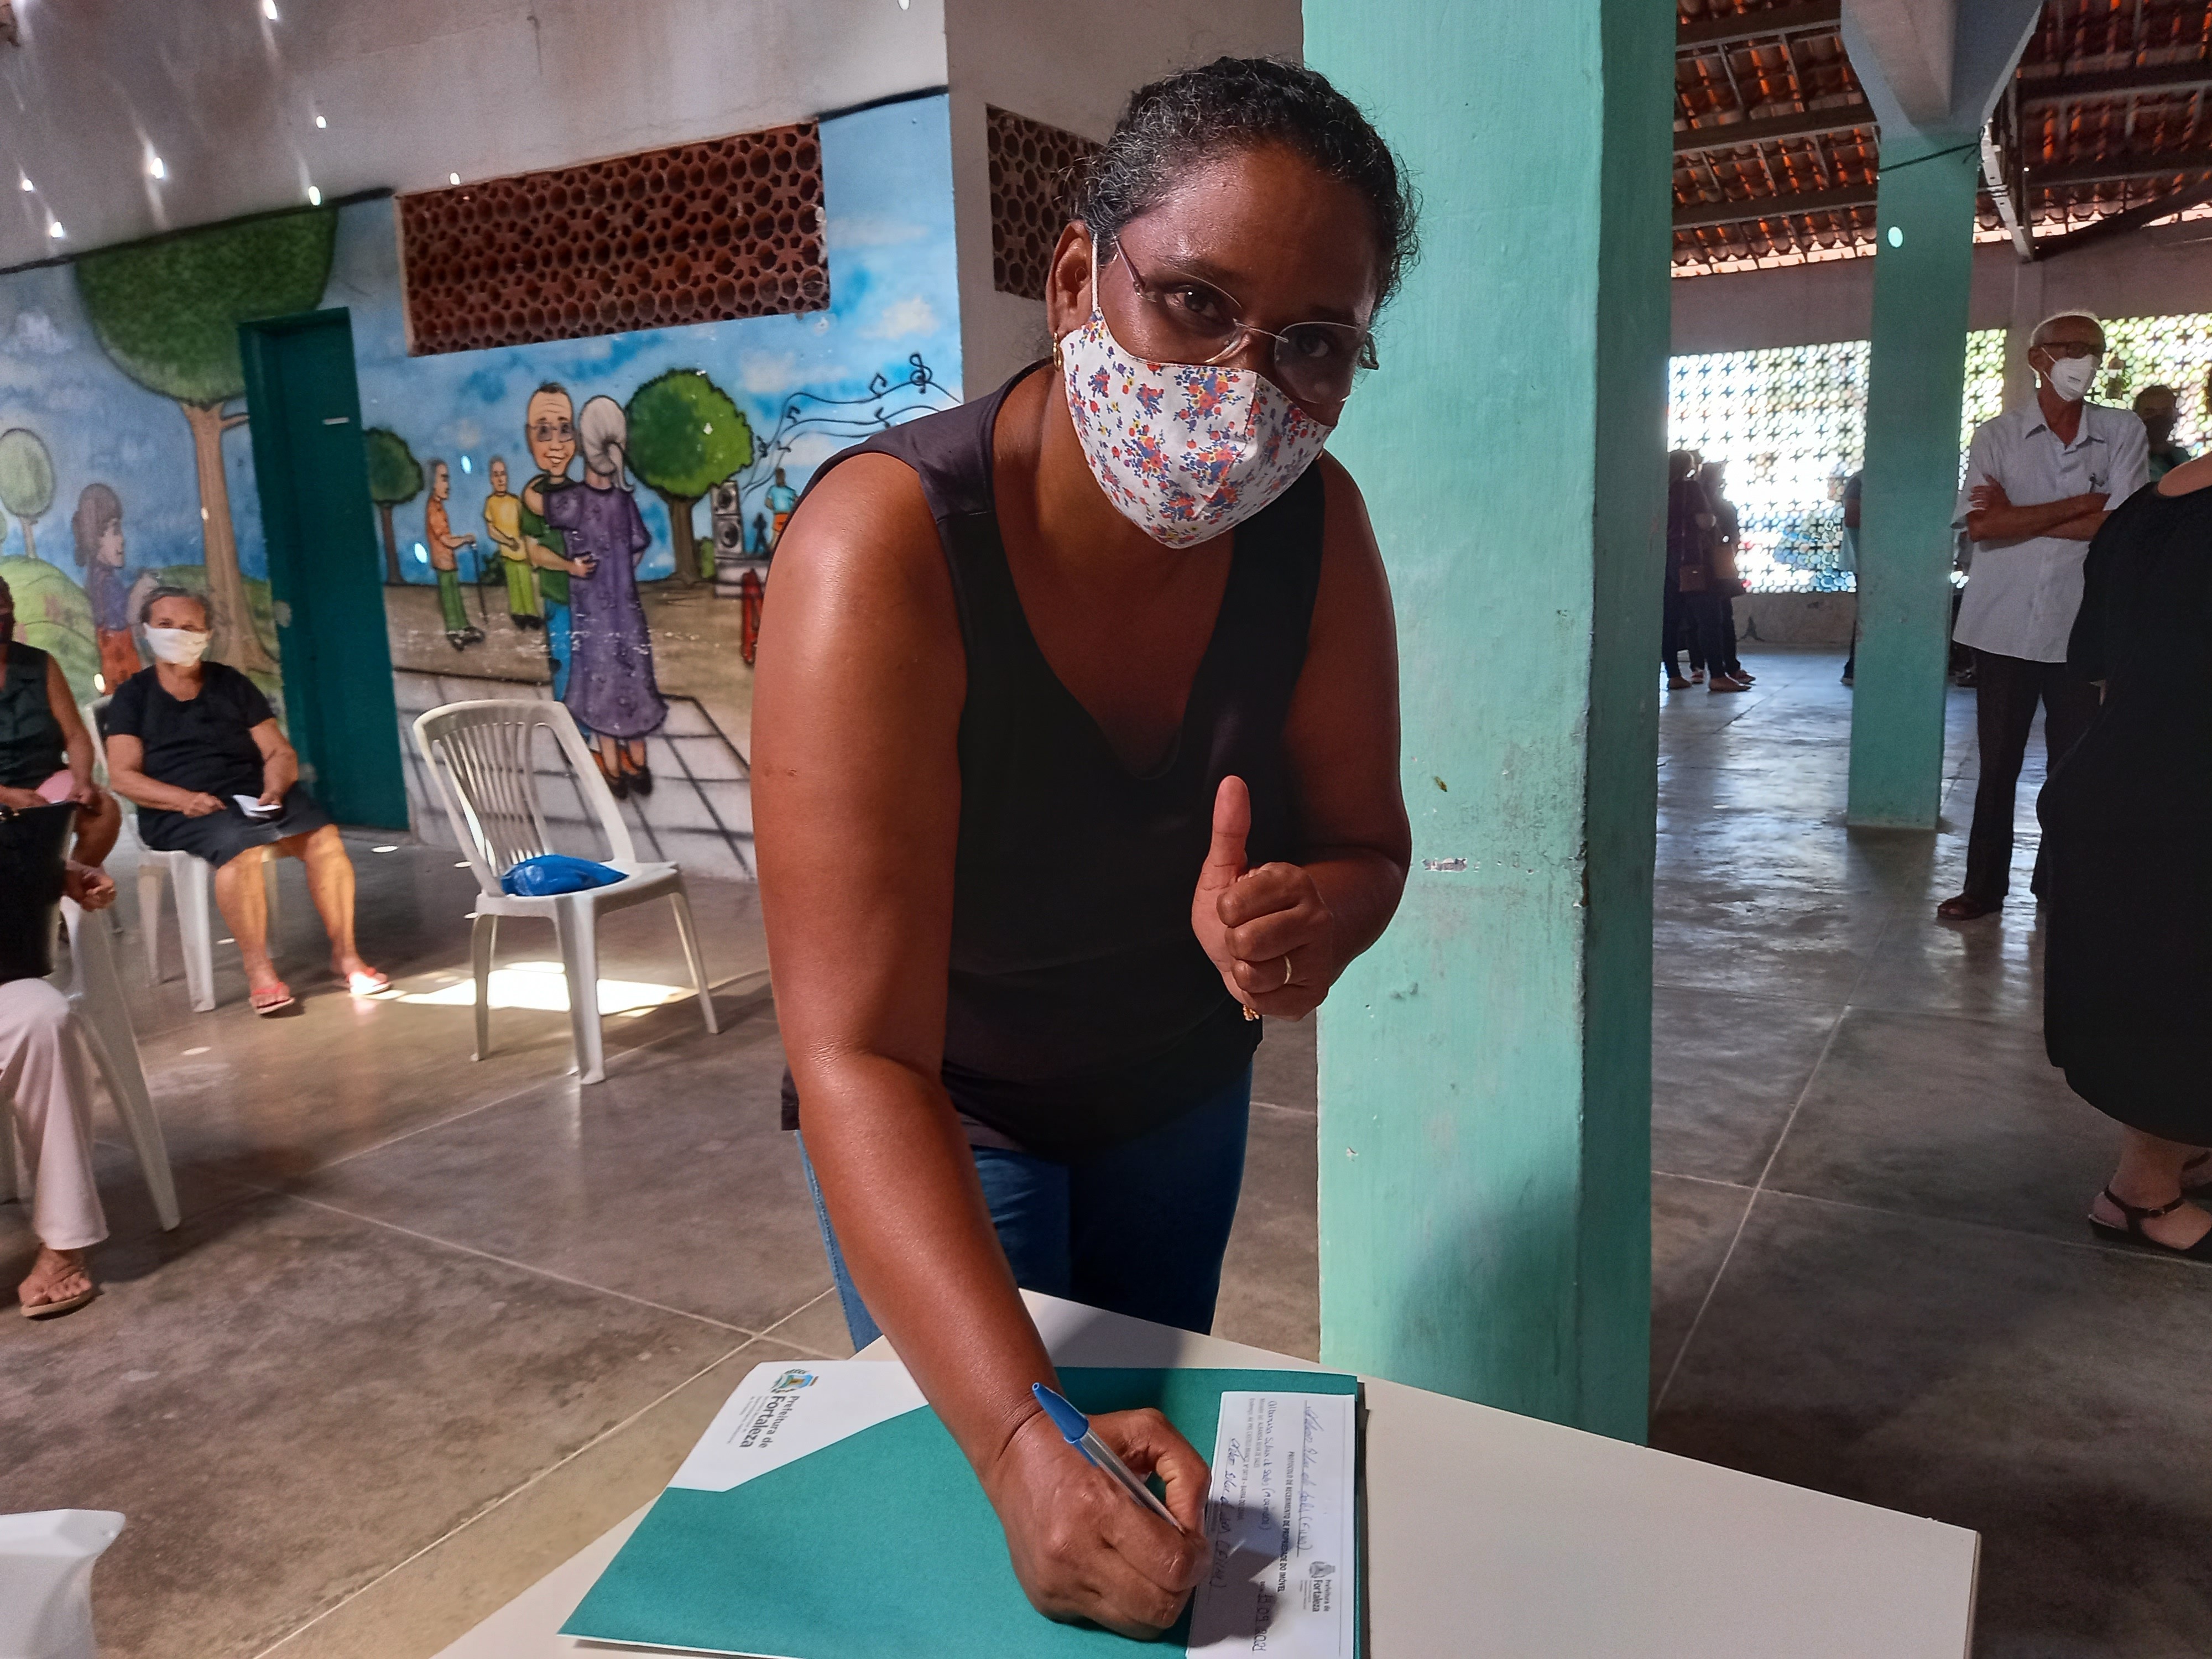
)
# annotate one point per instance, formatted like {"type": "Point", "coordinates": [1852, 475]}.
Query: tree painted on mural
{"type": "Point", "coordinates": [26, 480]}
{"type": "Point", "coordinates": [685, 437]}
{"type": "Point", "coordinates": [167, 313]}
{"type": "Point", "coordinates": [394, 476]}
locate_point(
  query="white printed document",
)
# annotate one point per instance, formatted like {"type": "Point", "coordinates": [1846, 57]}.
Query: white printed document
{"type": "Point", "coordinates": [1280, 1522]}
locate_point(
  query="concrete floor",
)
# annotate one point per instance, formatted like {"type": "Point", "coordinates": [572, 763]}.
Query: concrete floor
{"type": "Point", "coordinates": [429, 1326]}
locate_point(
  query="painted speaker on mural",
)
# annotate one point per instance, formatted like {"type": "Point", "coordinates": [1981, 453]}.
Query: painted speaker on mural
{"type": "Point", "coordinates": [729, 531]}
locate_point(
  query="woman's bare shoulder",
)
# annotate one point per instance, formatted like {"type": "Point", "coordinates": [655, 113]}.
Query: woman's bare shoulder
{"type": "Point", "coordinates": [868, 516]}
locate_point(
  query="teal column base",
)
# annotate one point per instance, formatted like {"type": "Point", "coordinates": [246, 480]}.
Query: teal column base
{"type": "Point", "coordinates": [1485, 1123]}
{"type": "Point", "coordinates": [1916, 383]}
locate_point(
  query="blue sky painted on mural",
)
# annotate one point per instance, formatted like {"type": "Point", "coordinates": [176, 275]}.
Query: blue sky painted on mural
{"type": "Point", "coordinates": [888, 187]}
{"type": "Point", "coordinates": [887, 177]}
{"type": "Point", "coordinates": [101, 427]}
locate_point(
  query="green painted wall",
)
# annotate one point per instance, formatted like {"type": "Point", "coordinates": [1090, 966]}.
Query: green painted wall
{"type": "Point", "coordinates": [1916, 381]}
{"type": "Point", "coordinates": [1485, 1076]}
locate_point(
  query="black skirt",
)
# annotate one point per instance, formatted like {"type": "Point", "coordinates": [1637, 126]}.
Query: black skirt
{"type": "Point", "coordinates": [2127, 830]}
{"type": "Point", "coordinates": [222, 836]}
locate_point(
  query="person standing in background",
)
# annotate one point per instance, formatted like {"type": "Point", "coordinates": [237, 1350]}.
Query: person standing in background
{"type": "Point", "coordinates": [2159, 408]}
{"type": "Point", "coordinates": [446, 559]}
{"type": "Point", "coordinates": [1685, 574]}
{"type": "Point", "coordinates": [1728, 575]}
{"type": "Point", "coordinates": [2065, 459]}
{"type": "Point", "coordinates": [503, 517]}
{"type": "Point", "coordinates": [1847, 558]}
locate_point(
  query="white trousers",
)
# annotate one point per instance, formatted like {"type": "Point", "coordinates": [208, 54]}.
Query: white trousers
{"type": "Point", "coordinates": [44, 1072]}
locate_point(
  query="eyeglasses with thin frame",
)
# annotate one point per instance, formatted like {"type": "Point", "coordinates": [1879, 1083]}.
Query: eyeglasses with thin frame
{"type": "Point", "coordinates": [2072, 349]}
{"type": "Point", "coordinates": [1196, 322]}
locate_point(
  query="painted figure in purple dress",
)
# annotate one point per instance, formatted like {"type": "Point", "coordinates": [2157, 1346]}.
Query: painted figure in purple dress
{"type": "Point", "coordinates": [611, 690]}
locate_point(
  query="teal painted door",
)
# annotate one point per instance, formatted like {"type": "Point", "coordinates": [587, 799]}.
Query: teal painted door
{"type": "Point", "coordinates": [325, 575]}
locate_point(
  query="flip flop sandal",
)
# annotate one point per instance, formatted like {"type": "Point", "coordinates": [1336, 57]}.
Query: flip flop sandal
{"type": "Point", "coordinates": [280, 997]}
{"type": "Point", "coordinates": [2133, 1234]}
{"type": "Point", "coordinates": [54, 1309]}
{"type": "Point", "coordinates": [369, 984]}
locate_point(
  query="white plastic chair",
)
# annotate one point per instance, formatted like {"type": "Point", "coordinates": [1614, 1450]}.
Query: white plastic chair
{"type": "Point", "coordinates": [193, 880]}
{"type": "Point", "coordinates": [480, 755]}
{"type": "Point", "coordinates": [103, 1020]}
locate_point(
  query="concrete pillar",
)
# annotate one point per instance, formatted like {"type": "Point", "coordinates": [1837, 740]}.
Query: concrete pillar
{"type": "Point", "coordinates": [1485, 1126]}
{"type": "Point", "coordinates": [1924, 266]}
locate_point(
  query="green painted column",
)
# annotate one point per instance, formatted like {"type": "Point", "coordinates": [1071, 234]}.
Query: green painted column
{"type": "Point", "coordinates": [1924, 265]}
{"type": "Point", "coordinates": [1485, 1127]}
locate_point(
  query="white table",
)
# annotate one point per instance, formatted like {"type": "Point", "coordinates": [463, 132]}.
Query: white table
{"type": "Point", "coordinates": [1494, 1537]}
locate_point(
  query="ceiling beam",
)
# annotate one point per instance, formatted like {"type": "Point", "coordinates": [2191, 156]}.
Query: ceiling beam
{"type": "Point", "coordinates": [1694, 216]}
{"type": "Point", "coordinates": [1712, 34]}
{"type": "Point", "coordinates": [2112, 169]}
{"type": "Point", "coordinates": [2109, 83]}
{"type": "Point", "coordinates": [2120, 224]}
{"type": "Point", "coordinates": [1802, 123]}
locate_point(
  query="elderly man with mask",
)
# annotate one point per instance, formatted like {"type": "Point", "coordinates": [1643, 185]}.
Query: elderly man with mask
{"type": "Point", "coordinates": [2038, 484]}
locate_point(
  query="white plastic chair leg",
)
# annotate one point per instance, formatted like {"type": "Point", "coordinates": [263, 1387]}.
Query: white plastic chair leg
{"type": "Point", "coordinates": [149, 914]}
{"type": "Point", "coordinates": [689, 934]}
{"type": "Point", "coordinates": [104, 1017]}
{"type": "Point", "coordinates": [194, 880]}
{"type": "Point", "coordinates": [483, 945]}
{"type": "Point", "coordinates": [576, 920]}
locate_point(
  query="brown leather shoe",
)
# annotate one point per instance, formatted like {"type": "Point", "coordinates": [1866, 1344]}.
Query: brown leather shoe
{"type": "Point", "coordinates": [1965, 906]}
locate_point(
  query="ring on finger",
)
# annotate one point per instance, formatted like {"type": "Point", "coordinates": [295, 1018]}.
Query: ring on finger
{"type": "Point", "coordinates": [1285, 985]}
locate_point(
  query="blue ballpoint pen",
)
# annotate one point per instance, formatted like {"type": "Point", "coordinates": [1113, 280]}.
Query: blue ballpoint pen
{"type": "Point", "coordinates": [1076, 1427]}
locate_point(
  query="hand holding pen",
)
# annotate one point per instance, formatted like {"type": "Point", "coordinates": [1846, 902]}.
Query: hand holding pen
{"type": "Point", "coordinates": [1082, 1546]}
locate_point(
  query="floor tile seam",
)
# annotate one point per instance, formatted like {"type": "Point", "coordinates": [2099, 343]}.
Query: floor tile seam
{"type": "Point", "coordinates": [1294, 1111]}
{"type": "Point", "coordinates": [505, 1497]}
{"type": "Point", "coordinates": [1712, 1286]}
{"type": "Point", "coordinates": [2121, 1251]}
{"type": "Point", "coordinates": [769, 1333]}
{"type": "Point", "coordinates": [1704, 1302]}
{"type": "Point", "coordinates": [1703, 1180]}
{"type": "Point", "coordinates": [617, 1057]}
{"type": "Point", "coordinates": [745, 1331]}
{"type": "Point", "coordinates": [1658, 984]}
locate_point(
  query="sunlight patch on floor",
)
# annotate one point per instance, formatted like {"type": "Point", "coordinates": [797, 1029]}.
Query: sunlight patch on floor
{"type": "Point", "coordinates": [542, 985]}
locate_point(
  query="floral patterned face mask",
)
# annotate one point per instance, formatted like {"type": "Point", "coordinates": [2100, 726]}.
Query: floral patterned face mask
{"type": "Point", "coordinates": [1185, 450]}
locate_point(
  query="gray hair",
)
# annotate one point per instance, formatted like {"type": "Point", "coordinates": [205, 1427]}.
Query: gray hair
{"type": "Point", "coordinates": [2043, 327]}
{"type": "Point", "coordinates": [146, 608]}
{"type": "Point", "coordinates": [603, 434]}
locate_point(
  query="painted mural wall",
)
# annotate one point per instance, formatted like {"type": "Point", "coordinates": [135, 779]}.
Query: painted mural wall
{"type": "Point", "coordinates": [592, 519]}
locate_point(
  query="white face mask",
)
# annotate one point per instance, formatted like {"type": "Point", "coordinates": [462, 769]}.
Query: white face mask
{"type": "Point", "coordinates": [1185, 450]}
{"type": "Point", "coordinates": [179, 647]}
{"type": "Point", "coordinates": [2070, 377]}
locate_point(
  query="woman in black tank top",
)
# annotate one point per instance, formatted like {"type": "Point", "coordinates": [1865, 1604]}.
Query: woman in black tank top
{"type": "Point", "coordinates": [1075, 750]}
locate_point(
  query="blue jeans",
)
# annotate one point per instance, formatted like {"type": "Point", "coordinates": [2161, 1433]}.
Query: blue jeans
{"type": "Point", "coordinates": [1140, 1230]}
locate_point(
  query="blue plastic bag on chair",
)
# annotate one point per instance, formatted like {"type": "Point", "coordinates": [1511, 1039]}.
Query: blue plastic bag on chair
{"type": "Point", "coordinates": [555, 872]}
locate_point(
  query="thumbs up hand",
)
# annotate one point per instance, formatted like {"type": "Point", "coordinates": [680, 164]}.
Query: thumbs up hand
{"type": "Point", "coordinates": [1268, 930]}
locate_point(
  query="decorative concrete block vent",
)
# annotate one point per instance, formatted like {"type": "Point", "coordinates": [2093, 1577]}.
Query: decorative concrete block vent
{"type": "Point", "coordinates": [1034, 171]}
{"type": "Point", "coordinates": [694, 234]}
{"type": "Point", "coordinates": [700, 814]}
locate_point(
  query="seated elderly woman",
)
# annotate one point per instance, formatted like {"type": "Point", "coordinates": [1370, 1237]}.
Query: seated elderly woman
{"type": "Point", "coordinates": [46, 754]}
{"type": "Point", "coordinates": [195, 744]}
{"type": "Point", "coordinates": [43, 1072]}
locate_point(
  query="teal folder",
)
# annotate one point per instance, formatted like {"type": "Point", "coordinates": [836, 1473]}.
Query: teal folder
{"type": "Point", "coordinates": [882, 1545]}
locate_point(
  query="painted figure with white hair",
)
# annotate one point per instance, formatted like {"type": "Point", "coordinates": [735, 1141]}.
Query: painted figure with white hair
{"type": "Point", "coordinates": [2040, 481]}
{"type": "Point", "coordinates": [611, 690]}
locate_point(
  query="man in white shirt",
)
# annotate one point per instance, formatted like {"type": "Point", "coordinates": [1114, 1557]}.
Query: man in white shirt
{"type": "Point", "coordinates": [2038, 483]}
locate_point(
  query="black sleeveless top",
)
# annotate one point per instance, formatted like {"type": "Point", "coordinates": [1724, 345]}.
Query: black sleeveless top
{"type": "Point", "coordinates": [1082, 1010]}
{"type": "Point", "coordinates": [32, 749]}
